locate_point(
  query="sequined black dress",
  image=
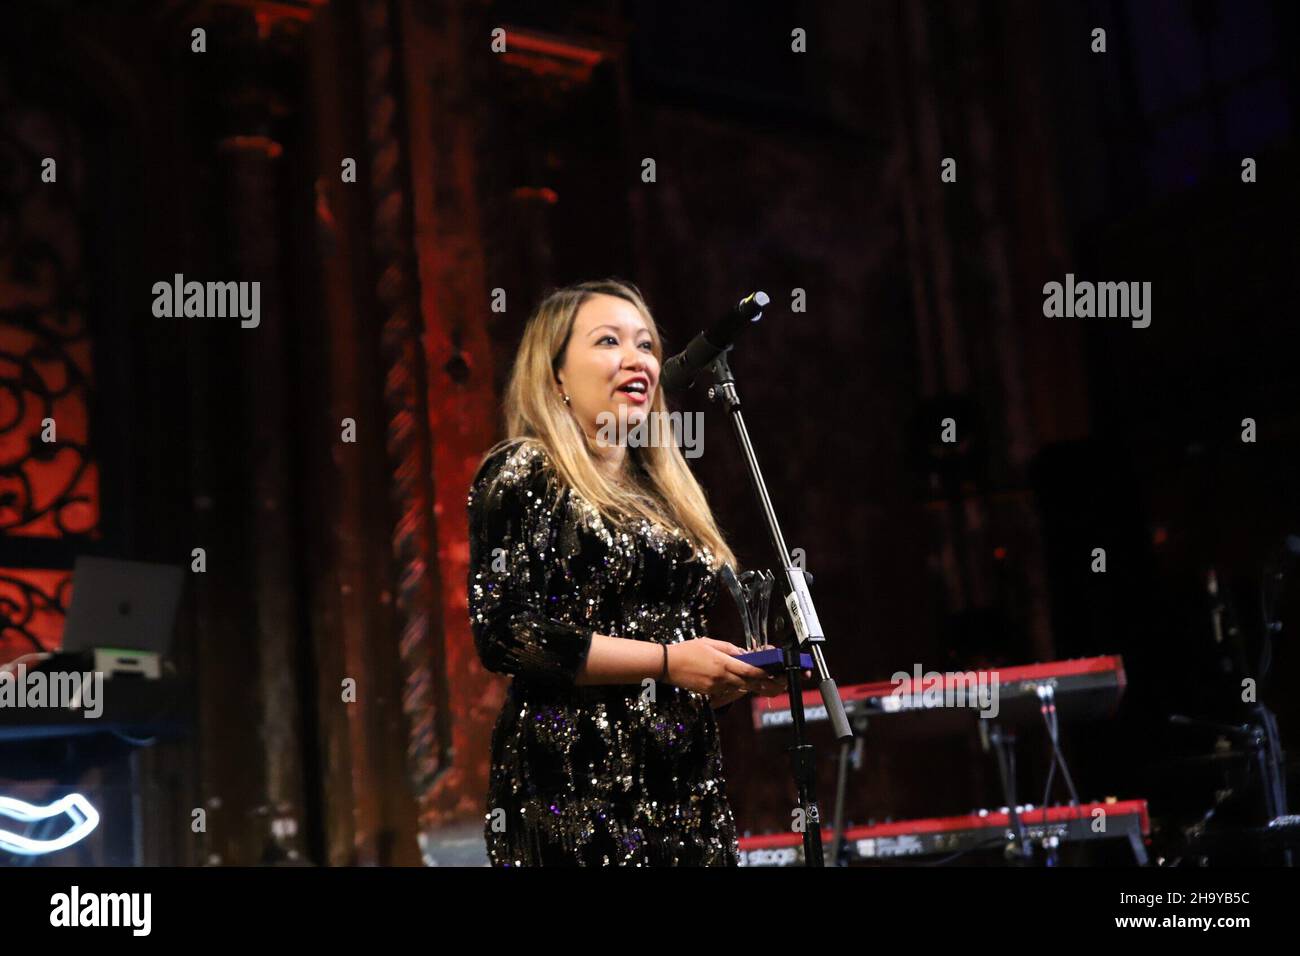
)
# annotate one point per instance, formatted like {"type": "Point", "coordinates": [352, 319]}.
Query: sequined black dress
{"type": "Point", "coordinates": [589, 775]}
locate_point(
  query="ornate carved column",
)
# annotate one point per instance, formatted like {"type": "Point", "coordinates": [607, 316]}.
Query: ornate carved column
{"type": "Point", "coordinates": [405, 390]}
{"type": "Point", "coordinates": [253, 110]}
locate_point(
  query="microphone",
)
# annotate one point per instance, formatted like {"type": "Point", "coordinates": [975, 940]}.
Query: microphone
{"type": "Point", "coordinates": [679, 371]}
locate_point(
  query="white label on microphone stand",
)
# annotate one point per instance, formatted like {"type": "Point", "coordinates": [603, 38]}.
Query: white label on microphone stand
{"type": "Point", "coordinates": [803, 616]}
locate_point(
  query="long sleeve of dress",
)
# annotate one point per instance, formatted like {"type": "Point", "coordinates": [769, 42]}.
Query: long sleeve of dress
{"type": "Point", "coordinates": [513, 528]}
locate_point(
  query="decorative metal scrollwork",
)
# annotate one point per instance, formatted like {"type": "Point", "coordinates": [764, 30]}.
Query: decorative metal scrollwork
{"type": "Point", "coordinates": [49, 481]}
{"type": "Point", "coordinates": [33, 607]}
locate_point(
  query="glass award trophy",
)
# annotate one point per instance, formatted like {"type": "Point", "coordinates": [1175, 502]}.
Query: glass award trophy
{"type": "Point", "coordinates": [752, 592]}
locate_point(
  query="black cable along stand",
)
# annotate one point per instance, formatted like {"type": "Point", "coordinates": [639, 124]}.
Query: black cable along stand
{"type": "Point", "coordinates": [803, 616]}
{"type": "Point", "coordinates": [1002, 743]}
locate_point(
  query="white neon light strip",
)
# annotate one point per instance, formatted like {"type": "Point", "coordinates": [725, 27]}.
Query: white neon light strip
{"type": "Point", "coordinates": [77, 808]}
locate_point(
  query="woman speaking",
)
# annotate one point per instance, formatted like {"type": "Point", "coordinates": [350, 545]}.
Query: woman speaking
{"type": "Point", "coordinates": [592, 566]}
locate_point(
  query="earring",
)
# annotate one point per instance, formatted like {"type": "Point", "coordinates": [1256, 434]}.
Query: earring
{"type": "Point", "coordinates": [566, 399]}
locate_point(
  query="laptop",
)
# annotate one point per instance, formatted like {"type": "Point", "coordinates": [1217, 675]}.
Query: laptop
{"type": "Point", "coordinates": [127, 606]}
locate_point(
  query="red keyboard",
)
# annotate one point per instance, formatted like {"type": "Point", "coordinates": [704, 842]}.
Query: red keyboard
{"type": "Point", "coordinates": [1084, 688]}
{"type": "Point", "coordinates": [944, 836]}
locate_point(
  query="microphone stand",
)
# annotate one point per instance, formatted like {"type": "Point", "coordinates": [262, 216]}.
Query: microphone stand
{"type": "Point", "coordinates": [806, 628]}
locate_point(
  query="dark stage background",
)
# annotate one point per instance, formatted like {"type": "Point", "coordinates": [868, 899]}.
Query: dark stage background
{"type": "Point", "coordinates": [816, 176]}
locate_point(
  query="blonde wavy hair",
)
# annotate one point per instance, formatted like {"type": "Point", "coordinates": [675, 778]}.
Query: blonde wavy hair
{"type": "Point", "coordinates": [535, 412]}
